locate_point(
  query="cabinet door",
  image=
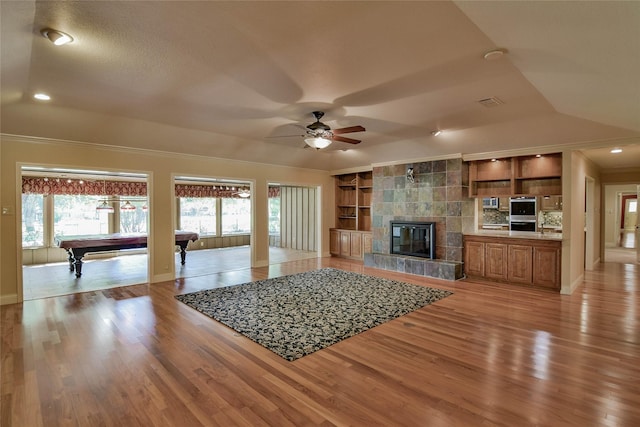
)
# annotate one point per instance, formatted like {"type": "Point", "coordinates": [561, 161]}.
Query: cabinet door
{"type": "Point", "coordinates": [367, 243]}
{"type": "Point", "coordinates": [474, 259]}
{"type": "Point", "coordinates": [495, 261]}
{"type": "Point", "coordinates": [356, 245]}
{"type": "Point", "coordinates": [345, 243]}
{"type": "Point", "coordinates": [520, 264]}
{"type": "Point", "coordinates": [553, 203]}
{"type": "Point", "coordinates": [546, 270]}
{"type": "Point", "coordinates": [334, 242]}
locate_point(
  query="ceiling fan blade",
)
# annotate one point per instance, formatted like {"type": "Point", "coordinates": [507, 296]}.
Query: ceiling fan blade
{"type": "Point", "coordinates": [284, 136]}
{"type": "Point", "coordinates": [347, 140]}
{"type": "Point", "coordinates": [348, 130]}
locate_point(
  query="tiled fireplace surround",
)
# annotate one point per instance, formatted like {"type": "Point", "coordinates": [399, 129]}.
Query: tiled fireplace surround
{"type": "Point", "coordinates": [438, 193]}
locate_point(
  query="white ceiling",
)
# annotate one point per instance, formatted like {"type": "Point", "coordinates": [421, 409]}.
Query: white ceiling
{"type": "Point", "coordinates": [228, 79]}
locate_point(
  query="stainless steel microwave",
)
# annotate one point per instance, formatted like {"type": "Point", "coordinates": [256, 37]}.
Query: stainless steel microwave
{"type": "Point", "coordinates": [523, 207]}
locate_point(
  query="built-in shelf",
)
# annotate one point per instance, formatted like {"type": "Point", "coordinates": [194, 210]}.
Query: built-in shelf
{"type": "Point", "coordinates": [353, 201]}
{"type": "Point", "coordinates": [516, 176]}
{"type": "Point", "coordinates": [352, 237]}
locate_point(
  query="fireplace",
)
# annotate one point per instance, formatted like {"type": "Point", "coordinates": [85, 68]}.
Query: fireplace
{"type": "Point", "coordinates": [413, 238]}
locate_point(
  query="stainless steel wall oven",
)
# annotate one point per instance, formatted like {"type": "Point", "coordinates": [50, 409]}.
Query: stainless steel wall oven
{"type": "Point", "coordinates": [522, 214]}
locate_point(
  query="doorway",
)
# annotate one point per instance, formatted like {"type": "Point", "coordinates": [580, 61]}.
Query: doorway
{"type": "Point", "coordinates": [621, 224]}
{"type": "Point", "coordinates": [61, 203]}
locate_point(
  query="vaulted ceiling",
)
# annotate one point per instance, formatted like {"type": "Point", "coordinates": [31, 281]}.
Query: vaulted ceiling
{"type": "Point", "coordinates": [239, 80]}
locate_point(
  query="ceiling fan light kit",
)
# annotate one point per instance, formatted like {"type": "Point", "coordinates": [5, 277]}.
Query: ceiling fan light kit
{"type": "Point", "coordinates": [320, 135]}
{"type": "Point", "coordinates": [317, 142]}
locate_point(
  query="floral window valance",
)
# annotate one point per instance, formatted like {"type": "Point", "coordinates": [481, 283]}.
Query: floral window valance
{"type": "Point", "coordinates": [274, 192]}
{"type": "Point", "coordinates": [218, 191]}
{"type": "Point", "coordinates": [62, 186]}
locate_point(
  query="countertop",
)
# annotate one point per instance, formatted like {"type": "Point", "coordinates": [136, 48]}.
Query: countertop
{"type": "Point", "coordinates": [517, 234]}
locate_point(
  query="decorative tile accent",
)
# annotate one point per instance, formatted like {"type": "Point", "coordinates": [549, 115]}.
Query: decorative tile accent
{"type": "Point", "coordinates": [446, 270]}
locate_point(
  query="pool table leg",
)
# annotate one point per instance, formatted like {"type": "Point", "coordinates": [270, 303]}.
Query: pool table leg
{"type": "Point", "coordinates": [71, 260]}
{"type": "Point", "coordinates": [183, 251]}
{"type": "Point", "coordinates": [75, 260]}
{"type": "Point", "coordinates": [78, 265]}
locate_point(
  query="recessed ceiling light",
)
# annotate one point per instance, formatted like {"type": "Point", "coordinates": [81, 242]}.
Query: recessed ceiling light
{"type": "Point", "coordinates": [436, 132]}
{"type": "Point", "coordinates": [56, 37]}
{"type": "Point", "coordinates": [42, 96]}
{"type": "Point", "coordinates": [616, 150]}
{"type": "Point", "coordinates": [538, 155]}
{"type": "Point", "coordinates": [494, 54]}
{"type": "Point", "coordinates": [494, 160]}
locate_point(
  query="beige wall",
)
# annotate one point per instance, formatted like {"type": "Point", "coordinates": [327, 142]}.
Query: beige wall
{"type": "Point", "coordinates": [161, 169]}
{"type": "Point", "coordinates": [576, 169]}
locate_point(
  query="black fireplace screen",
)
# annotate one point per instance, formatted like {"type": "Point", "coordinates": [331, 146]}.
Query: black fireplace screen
{"type": "Point", "coordinates": [413, 238]}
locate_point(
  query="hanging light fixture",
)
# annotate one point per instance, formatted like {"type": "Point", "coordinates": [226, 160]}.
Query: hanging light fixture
{"type": "Point", "coordinates": [127, 206]}
{"type": "Point", "coordinates": [317, 142]}
{"type": "Point", "coordinates": [104, 206]}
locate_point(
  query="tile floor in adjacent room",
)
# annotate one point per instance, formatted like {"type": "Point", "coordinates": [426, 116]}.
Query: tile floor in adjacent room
{"type": "Point", "coordinates": [47, 280]}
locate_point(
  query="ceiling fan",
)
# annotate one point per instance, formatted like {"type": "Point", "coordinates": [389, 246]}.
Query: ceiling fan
{"type": "Point", "coordinates": [319, 135]}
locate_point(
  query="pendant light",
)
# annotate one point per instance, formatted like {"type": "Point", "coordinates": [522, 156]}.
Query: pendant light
{"type": "Point", "coordinates": [104, 206]}
{"type": "Point", "coordinates": [127, 206]}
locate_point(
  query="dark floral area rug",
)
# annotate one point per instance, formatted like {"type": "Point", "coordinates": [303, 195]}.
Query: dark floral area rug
{"type": "Point", "coordinates": [298, 314]}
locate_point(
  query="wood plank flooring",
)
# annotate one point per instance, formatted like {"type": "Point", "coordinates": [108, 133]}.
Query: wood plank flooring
{"type": "Point", "coordinates": [489, 355]}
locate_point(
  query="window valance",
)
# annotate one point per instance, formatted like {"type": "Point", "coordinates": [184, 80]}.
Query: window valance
{"type": "Point", "coordinates": [217, 191]}
{"type": "Point", "coordinates": [61, 186]}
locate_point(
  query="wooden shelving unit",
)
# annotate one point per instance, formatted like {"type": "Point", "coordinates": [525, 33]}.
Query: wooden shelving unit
{"type": "Point", "coordinates": [352, 236]}
{"type": "Point", "coordinates": [353, 201]}
{"type": "Point", "coordinates": [538, 176]}
{"type": "Point", "coordinates": [516, 176]}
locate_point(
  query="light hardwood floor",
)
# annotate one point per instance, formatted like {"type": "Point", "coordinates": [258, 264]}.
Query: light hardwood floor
{"type": "Point", "coordinates": [489, 355]}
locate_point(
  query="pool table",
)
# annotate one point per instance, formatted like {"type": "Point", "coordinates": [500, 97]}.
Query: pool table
{"type": "Point", "coordinates": [78, 246]}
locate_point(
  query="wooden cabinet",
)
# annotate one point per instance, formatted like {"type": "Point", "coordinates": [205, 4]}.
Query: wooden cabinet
{"type": "Point", "coordinates": [520, 264]}
{"type": "Point", "coordinates": [546, 261]}
{"type": "Point", "coordinates": [513, 260]}
{"type": "Point", "coordinates": [495, 261]}
{"type": "Point", "coordinates": [551, 203]}
{"type": "Point", "coordinates": [334, 242]}
{"type": "Point", "coordinates": [350, 243]}
{"type": "Point", "coordinates": [474, 258]}
{"type": "Point", "coordinates": [367, 243]}
{"type": "Point", "coordinates": [516, 176]}
{"type": "Point", "coordinates": [353, 201]}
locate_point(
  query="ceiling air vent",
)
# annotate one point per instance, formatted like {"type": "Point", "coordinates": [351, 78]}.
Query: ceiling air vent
{"type": "Point", "coordinates": [490, 102]}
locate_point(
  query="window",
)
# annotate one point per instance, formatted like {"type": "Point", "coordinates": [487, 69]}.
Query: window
{"type": "Point", "coordinates": [274, 215]}
{"type": "Point", "coordinates": [32, 220]}
{"type": "Point", "coordinates": [236, 216]}
{"type": "Point", "coordinates": [134, 221]}
{"type": "Point", "coordinates": [198, 214]}
{"type": "Point", "coordinates": [633, 206]}
{"type": "Point", "coordinates": [77, 215]}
